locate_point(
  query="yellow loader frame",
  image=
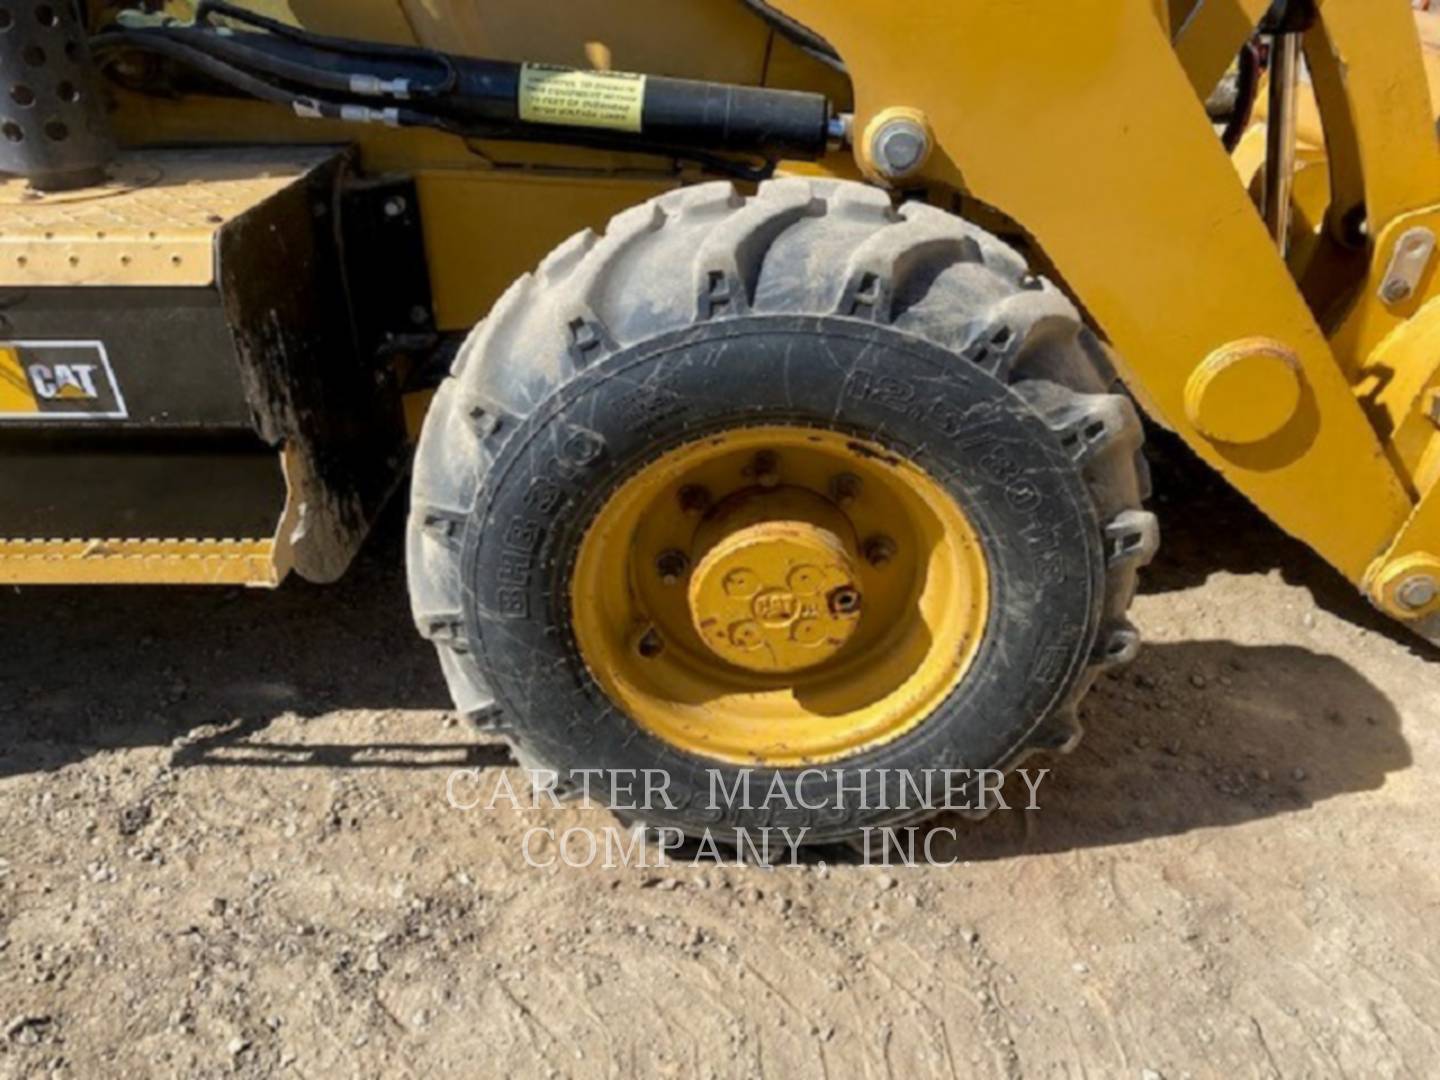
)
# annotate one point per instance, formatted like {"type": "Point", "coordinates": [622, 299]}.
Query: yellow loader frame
{"type": "Point", "coordinates": [1308, 381]}
{"type": "Point", "coordinates": [1082, 123]}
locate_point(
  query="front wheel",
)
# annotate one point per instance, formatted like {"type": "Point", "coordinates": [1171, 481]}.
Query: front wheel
{"type": "Point", "coordinates": [760, 494]}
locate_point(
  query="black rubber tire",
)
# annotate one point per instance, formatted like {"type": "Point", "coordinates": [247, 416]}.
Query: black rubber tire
{"type": "Point", "coordinates": [815, 303]}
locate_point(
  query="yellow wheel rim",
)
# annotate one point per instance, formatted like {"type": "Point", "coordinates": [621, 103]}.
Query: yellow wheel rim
{"type": "Point", "coordinates": [779, 596]}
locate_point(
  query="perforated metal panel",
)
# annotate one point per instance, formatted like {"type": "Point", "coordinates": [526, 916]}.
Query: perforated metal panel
{"type": "Point", "coordinates": [53, 128]}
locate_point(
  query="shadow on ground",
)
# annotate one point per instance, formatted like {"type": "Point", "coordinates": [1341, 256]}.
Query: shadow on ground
{"type": "Point", "coordinates": [1199, 735]}
{"type": "Point", "coordinates": [1195, 735]}
{"type": "Point", "coordinates": [87, 670]}
{"type": "Point", "coordinates": [1206, 526]}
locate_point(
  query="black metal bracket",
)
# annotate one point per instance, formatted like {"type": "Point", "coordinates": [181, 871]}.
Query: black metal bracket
{"type": "Point", "coordinates": [386, 271]}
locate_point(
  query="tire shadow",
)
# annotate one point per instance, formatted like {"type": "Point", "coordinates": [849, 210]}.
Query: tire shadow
{"type": "Point", "coordinates": [1197, 735]}
{"type": "Point", "coordinates": [88, 670]}
{"type": "Point", "coordinates": [1206, 527]}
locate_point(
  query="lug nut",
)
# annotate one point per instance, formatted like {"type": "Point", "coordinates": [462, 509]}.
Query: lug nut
{"type": "Point", "coordinates": [695, 499]}
{"type": "Point", "coordinates": [650, 644]}
{"type": "Point", "coordinates": [845, 600]}
{"type": "Point", "coordinates": [880, 550]}
{"type": "Point", "coordinates": [672, 566]}
{"type": "Point", "coordinates": [766, 468]}
{"type": "Point", "coordinates": [1417, 592]}
{"type": "Point", "coordinates": [845, 489]}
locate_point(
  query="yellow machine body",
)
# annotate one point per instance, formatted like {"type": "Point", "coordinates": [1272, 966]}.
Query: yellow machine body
{"type": "Point", "coordinates": [1078, 131]}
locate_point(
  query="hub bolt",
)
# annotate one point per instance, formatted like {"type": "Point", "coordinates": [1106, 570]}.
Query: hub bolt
{"type": "Point", "coordinates": [695, 499]}
{"type": "Point", "coordinates": [880, 550]}
{"type": "Point", "coordinates": [845, 489]}
{"type": "Point", "coordinates": [672, 566]}
{"type": "Point", "coordinates": [650, 644]}
{"type": "Point", "coordinates": [1417, 592]}
{"type": "Point", "coordinates": [766, 468]}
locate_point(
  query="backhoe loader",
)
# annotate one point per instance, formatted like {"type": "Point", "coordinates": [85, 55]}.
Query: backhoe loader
{"type": "Point", "coordinates": [768, 374]}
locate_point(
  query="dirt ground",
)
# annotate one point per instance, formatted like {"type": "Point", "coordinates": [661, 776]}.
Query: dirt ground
{"type": "Point", "coordinates": [228, 850]}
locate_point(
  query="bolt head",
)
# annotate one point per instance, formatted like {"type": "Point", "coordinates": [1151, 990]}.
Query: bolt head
{"type": "Point", "coordinates": [766, 468]}
{"type": "Point", "coordinates": [395, 206]}
{"type": "Point", "coordinates": [672, 566]}
{"type": "Point", "coordinates": [1396, 290]}
{"type": "Point", "coordinates": [695, 499]}
{"type": "Point", "coordinates": [900, 147]}
{"type": "Point", "coordinates": [845, 489]}
{"type": "Point", "coordinates": [1417, 592]}
{"type": "Point", "coordinates": [880, 551]}
{"type": "Point", "coordinates": [650, 644]}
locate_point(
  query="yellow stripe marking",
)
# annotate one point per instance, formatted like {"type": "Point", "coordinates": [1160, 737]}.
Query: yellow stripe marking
{"type": "Point", "coordinates": [15, 393]}
{"type": "Point", "coordinates": [100, 561]}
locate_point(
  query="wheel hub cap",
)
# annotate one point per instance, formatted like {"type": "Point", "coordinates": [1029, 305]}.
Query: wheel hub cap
{"type": "Point", "coordinates": [779, 596]}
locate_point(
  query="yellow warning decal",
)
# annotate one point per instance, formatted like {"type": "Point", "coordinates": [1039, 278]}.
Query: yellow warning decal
{"type": "Point", "coordinates": [597, 99]}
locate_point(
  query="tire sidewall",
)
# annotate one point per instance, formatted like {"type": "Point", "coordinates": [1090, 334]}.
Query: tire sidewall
{"type": "Point", "coordinates": [555, 469]}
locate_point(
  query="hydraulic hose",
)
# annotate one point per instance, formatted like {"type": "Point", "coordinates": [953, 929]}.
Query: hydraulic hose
{"type": "Point", "coordinates": [235, 13]}
{"type": "Point", "coordinates": [501, 99]}
{"type": "Point", "coordinates": [1246, 92]}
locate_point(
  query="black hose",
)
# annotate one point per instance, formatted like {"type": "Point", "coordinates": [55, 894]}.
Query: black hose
{"type": "Point", "coordinates": [237, 53]}
{"type": "Point", "coordinates": [332, 44]}
{"type": "Point", "coordinates": [210, 66]}
{"type": "Point", "coordinates": [1247, 89]}
{"type": "Point", "coordinates": [228, 74]}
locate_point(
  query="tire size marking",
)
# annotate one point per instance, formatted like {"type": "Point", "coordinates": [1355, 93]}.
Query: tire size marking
{"type": "Point", "coordinates": [1042, 538]}
{"type": "Point", "coordinates": [525, 537]}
